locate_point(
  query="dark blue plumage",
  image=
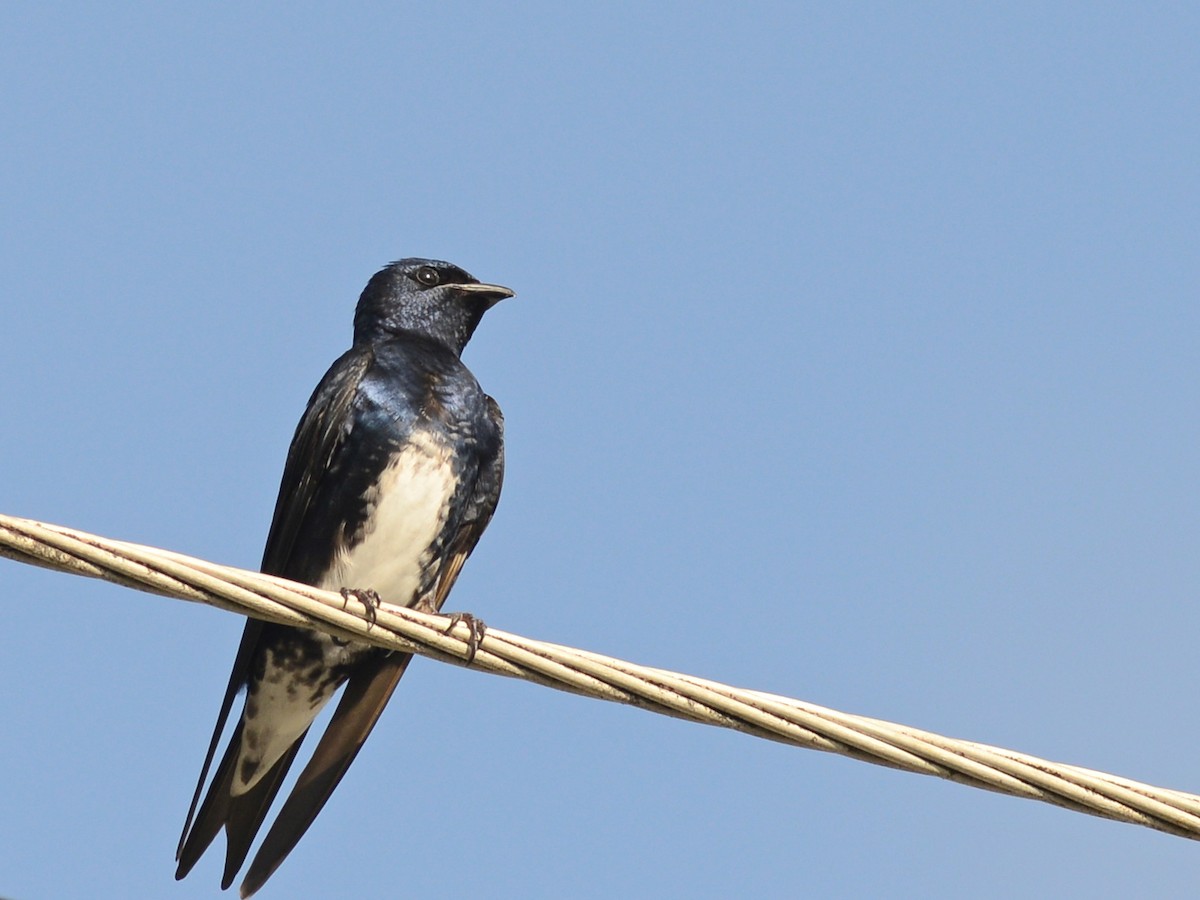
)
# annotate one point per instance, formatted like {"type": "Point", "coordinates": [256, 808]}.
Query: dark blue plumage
{"type": "Point", "coordinates": [393, 474]}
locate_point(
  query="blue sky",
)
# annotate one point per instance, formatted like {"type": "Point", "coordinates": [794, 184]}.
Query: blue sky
{"type": "Point", "coordinates": [854, 359]}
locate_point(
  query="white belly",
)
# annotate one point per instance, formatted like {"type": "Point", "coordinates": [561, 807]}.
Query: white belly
{"type": "Point", "coordinates": [408, 507]}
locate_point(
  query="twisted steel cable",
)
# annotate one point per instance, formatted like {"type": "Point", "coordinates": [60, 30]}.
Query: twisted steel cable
{"type": "Point", "coordinates": [683, 696]}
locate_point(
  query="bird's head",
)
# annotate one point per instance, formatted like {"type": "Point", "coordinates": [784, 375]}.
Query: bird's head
{"type": "Point", "coordinates": [425, 296]}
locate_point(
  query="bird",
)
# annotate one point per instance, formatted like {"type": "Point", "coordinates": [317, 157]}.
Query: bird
{"type": "Point", "coordinates": [392, 476]}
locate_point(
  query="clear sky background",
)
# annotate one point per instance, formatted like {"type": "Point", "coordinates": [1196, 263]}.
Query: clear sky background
{"type": "Point", "coordinates": [854, 359]}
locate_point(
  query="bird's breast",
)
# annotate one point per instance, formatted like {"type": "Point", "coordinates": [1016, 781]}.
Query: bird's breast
{"type": "Point", "coordinates": [407, 508]}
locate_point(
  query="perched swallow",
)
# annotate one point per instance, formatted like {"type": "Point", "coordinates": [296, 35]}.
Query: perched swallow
{"type": "Point", "coordinates": [391, 478]}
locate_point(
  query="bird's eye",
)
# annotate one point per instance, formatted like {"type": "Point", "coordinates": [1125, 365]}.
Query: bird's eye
{"type": "Point", "coordinates": [428, 276]}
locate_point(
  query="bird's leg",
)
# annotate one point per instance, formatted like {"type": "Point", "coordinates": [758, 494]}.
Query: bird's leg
{"type": "Point", "coordinates": [368, 598]}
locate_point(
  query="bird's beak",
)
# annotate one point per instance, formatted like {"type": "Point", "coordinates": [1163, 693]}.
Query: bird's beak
{"type": "Point", "coordinates": [492, 292]}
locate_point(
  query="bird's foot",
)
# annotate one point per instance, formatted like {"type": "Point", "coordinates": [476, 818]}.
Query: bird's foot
{"type": "Point", "coordinates": [368, 598]}
{"type": "Point", "coordinates": [476, 628]}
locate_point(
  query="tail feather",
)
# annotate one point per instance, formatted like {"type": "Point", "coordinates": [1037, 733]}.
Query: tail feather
{"type": "Point", "coordinates": [241, 815]}
{"type": "Point", "coordinates": [237, 680]}
{"type": "Point", "coordinates": [366, 694]}
{"type": "Point", "coordinates": [203, 825]}
{"type": "Point", "coordinates": [247, 811]}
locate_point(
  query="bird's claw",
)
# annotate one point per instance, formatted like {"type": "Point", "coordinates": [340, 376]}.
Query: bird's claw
{"type": "Point", "coordinates": [368, 598]}
{"type": "Point", "coordinates": [476, 629]}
